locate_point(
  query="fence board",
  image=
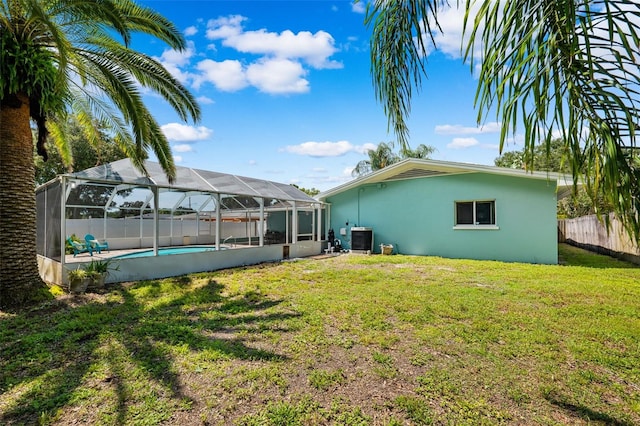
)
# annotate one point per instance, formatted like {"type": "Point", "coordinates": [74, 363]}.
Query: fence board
{"type": "Point", "coordinates": [589, 233]}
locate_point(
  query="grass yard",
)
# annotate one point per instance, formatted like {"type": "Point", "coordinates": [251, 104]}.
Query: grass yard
{"type": "Point", "coordinates": [347, 340]}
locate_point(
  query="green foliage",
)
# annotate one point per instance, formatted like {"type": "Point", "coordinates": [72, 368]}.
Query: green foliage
{"type": "Point", "coordinates": [312, 192]}
{"type": "Point", "coordinates": [75, 56]}
{"type": "Point", "coordinates": [76, 274]}
{"type": "Point", "coordinates": [384, 156]}
{"type": "Point", "coordinates": [580, 204]}
{"type": "Point", "coordinates": [418, 411]}
{"type": "Point", "coordinates": [85, 152]}
{"type": "Point", "coordinates": [325, 380]}
{"type": "Point", "coordinates": [45, 44]}
{"type": "Point", "coordinates": [101, 266]}
{"type": "Point", "coordinates": [555, 158]}
{"type": "Point", "coordinates": [29, 68]}
{"type": "Point", "coordinates": [546, 67]}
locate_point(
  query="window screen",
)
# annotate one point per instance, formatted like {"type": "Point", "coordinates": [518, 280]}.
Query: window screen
{"type": "Point", "coordinates": [475, 213]}
{"type": "Point", "coordinates": [464, 213]}
{"type": "Point", "coordinates": [484, 213]}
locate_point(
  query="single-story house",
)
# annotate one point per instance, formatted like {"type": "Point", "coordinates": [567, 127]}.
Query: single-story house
{"type": "Point", "coordinates": [454, 210]}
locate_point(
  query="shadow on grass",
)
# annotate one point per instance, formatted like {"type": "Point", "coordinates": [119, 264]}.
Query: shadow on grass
{"type": "Point", "coordinates": [50, 354]}
{"type": "Point", "coordinates": [586, 413]}
{"type": "Point", "coordinates": [570, 255]}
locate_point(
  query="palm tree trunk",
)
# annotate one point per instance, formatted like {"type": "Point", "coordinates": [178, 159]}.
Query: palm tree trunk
{"type": "Point", "coordinates": [20, 281]}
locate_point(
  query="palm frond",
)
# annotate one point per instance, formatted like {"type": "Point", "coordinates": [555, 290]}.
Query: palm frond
{"type": "Point", "coordinates": [398, 55]}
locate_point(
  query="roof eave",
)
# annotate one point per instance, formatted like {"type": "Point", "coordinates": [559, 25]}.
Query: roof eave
{"type": "Point", "coordinates": [437, 166]}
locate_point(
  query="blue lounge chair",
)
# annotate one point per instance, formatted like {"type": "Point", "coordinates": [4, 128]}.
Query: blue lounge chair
{"type": "Point", "coordinates": [93, 243]}
{"type": "Point", "coordinates": [79, 247]}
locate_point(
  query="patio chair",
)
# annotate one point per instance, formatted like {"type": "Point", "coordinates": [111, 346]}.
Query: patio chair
{"type": "Point", "coordinates": [93, 243]}
{"type": "Point", "coordinates": [79, 247]}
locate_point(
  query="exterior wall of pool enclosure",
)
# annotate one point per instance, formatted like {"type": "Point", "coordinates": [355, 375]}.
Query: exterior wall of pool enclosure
{"type": "Point", "coordinates": [259, 220]}
{"type": "Point", "coordinates": [413, 205]}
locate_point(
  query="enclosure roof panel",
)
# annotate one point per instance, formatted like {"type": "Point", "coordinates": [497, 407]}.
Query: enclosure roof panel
{"type": "Point", "coordinates": [188, 179]}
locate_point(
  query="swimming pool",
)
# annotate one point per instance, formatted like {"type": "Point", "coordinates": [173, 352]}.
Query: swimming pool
{"type": "Point", "coordinates": [165, 251]}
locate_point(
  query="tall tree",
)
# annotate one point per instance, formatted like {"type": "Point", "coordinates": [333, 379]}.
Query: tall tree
{"type": "Point", "coordinates": [58, 56]}
{"type": "Point", "coordinates": [384, 156]}
{"type": "Point", "coordinates": [379, 158]}
{"type": "Point", "coordinates": [549, 158]}
{"type": "Point", "coordinates": [421, 151]}
{"type": "Point", "coordinates": [311, 192]}
{"type": "Point", "coordinates": [546, 65]}
{"type": "Point", "coordinates": [555, 160]}
{"type": "Point", "coordinates": [85, 152]}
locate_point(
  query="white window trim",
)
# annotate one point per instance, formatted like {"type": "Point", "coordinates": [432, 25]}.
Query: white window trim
{"type": "Point", "coordinates": [477, 226]}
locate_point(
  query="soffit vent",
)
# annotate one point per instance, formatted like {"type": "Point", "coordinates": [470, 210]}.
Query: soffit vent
{"type": "Point", "coordinates": [415, 173]}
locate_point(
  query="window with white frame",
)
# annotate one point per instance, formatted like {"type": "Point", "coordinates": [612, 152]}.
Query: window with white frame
{"type": "Point", "coordinates": [475, 213]}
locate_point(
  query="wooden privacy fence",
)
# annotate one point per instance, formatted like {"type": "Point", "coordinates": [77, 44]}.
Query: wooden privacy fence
{"type": "Point", "coordinates": [589, 233]}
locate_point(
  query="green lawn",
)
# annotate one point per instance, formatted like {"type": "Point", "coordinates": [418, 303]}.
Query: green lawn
{"type": "Point", "coordinates": [347, 340]}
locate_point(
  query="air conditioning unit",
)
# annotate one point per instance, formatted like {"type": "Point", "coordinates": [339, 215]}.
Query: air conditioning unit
{"type": "Point", "coordinates": [362, 239]}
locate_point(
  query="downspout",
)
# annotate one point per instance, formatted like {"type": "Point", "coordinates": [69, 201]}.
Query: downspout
{"type": "Point", "coordinates": [359, 191]}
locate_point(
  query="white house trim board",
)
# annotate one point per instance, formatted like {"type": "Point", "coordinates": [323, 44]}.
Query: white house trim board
{"type": "Point", "coordinates": [410, 166]}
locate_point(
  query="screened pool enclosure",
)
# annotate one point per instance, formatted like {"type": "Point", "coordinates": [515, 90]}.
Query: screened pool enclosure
{"type": "Point", "coordinates": [117, 203]}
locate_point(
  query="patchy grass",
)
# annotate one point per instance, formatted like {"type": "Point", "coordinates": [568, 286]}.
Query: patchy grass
{"type": "Point", "coordinates": [349, 340]}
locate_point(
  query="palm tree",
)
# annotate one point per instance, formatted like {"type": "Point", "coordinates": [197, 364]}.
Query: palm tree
{"type": "Point", "coordinates": [384, 156]}
{"type": "Point", "coordinates": [379, 158]}
{"type": "Point", "coordinates": [555, 66]}
{"type": "Point", "coordinates": [61, 56]}
{"type": "Point", "coordinates": [421, 151]}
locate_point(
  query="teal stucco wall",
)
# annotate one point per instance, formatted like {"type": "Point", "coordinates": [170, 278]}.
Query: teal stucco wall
{"type": "Point", "coordinates": [417, 216]}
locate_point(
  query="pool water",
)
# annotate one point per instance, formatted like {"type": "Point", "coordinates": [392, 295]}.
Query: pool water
{"type": "Point", "coordinates": [165, 251]}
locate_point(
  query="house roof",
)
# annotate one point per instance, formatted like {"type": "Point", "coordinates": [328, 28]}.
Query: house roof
{"type": "Point", "coordinates": [412, 168]}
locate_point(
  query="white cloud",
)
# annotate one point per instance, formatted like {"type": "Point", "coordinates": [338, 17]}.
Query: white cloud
{"type": "Point", "coordinates": [224, 27]}
{"type": "Point", "coordinates": [177, 158]}
{"type": "Point", "coordinates": [319, 170]}
{"type": "Point", "coordinates": [176, 57]}
{"type": "Point", "coordinates": [176, 132]}
{"type": "Point", "coordinates": [189, 31]}
{"type": "Point", "coordinates": [327, 149]}
{"type": "Point", "coordinates": [363, 149]}
{"type": "Point", "coordinates": [253, 162]}
{"type": "Point", "coordinates": [457, 129]}
{"type": "Point", "coordinates": [282, 61]}
{"type": "Point", "coordinates": [331, 180]}
{"type": "Point", "coordinates": [205, 100]}
{"type": "Point", "coordinates": [174, 60]}
{"type": "Point", "coordinates": [312, 48]}
{"type": "Point", "coordinates": [462, 143]}
{"type": "Point", "coordinates": [358, 7]}
{"type": "Point", "coordinates": [278, 76]}
{"type": "Point", "coordinates": [450, 40]}
{"type": "Point", "coordinates": [227, 76]}
{"type": "Point", "coordinates": [184, 147]}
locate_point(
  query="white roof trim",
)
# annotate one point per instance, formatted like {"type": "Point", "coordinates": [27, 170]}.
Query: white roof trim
{"type": "Point", "coordinates": [438, 168]}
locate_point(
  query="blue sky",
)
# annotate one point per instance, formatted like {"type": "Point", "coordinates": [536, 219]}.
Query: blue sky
{"type": "Point", "coordinates": [286, 92]}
